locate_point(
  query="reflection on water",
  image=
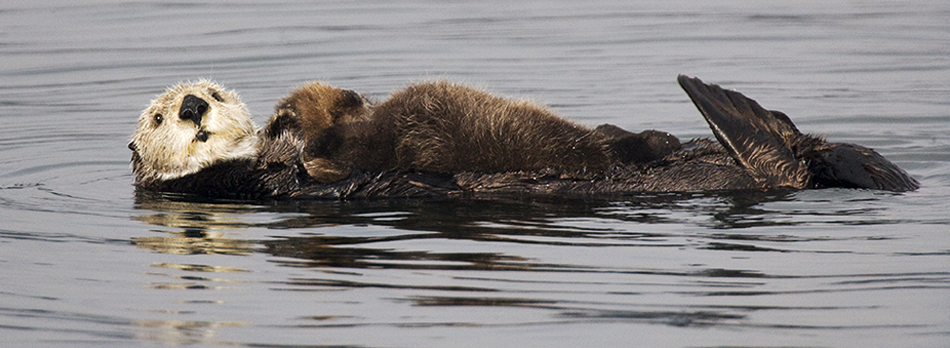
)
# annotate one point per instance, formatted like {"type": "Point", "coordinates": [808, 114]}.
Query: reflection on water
{"type": "Point", "coordinates": [191, 282]}
{"type": "Point", "coordinates": [194, 242]}
{"type": "Point", "coordinates": [197, 228]}
{"type": "Point", "coordinates": [202, 227]}
{"type": "Point", "coordinates": [181, 332]}
{"type": "Point", "coordinates": [515, 269]}
{"type": "Point", "coordinates": [174, 332]}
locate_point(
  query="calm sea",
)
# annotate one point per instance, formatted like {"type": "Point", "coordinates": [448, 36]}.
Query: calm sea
{"type": "Point", "coordinates": [84, 262]}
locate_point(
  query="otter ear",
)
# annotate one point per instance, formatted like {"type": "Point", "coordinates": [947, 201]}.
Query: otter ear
{"type": "Point", "coordinates": [351, 98]}
{"type": "Point", "coordinates": [284, 119]}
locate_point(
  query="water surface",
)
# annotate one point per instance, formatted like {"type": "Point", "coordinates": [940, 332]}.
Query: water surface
{"type": "Point", "coordinates": [85, 261]}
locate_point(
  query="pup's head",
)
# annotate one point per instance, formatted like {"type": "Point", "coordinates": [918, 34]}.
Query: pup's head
{"type": "Point", "coordinates": [318, 106]}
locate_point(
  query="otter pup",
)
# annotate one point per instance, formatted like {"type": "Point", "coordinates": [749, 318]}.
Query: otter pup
{"type": "Point", "coordinates": [450, 128]}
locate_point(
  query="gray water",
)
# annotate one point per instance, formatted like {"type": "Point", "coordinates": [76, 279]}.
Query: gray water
{"type": "Point", "coordinates": [85, 262]}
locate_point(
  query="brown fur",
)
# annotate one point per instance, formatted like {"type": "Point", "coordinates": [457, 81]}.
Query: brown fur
{"type": "Point", "coordinates": [316, 107]}
{"type": "Point", "coordinates": [450, 128]}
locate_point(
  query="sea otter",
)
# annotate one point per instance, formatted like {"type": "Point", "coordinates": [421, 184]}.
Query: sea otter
{"type": "Point", "coordinates": [197, 138]}
{"type": "Point", "coordinates": [189, 128]}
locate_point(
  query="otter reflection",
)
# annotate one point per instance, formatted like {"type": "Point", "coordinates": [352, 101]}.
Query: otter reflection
{"type": "Point", "coordinates": [190, 227]}
{"type": "Point", "coordinates": [332, 236]}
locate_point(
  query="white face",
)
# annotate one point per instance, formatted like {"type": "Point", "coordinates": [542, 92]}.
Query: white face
{"type": "Point", "coordinates": [172, 141]}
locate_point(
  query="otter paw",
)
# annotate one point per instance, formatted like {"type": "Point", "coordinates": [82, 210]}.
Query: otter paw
{"type": "Point", "coordinates": [325, 171]}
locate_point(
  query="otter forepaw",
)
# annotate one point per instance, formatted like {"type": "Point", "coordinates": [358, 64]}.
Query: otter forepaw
{"type": "Point", "coordinates": [325, 171]}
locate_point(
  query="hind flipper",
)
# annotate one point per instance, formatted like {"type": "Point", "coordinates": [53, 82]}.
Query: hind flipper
{"type": "Point", "coordinates": [758, 139]}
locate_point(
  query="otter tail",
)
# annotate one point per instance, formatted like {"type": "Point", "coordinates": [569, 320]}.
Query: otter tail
{"type": "Point", "coordinates": [768, 144]}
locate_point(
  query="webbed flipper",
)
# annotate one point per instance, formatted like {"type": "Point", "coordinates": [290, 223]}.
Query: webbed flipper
{"type": "Point", "coordinates": [759, 140]}
{"type": "Point", "coordinates": [768, 144]}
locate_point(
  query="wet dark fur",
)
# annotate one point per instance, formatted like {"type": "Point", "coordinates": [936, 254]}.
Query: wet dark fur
{"type": "Point", "coordinates": [757, 149]}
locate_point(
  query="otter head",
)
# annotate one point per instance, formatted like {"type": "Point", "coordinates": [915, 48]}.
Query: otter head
{"type": "Point", "coordinates": [190, 127]}
{"type": "Point", "coordinates": [318, 106]}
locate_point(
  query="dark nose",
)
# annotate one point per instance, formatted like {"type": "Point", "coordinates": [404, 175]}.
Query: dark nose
{"type": "Point", "coordinates": [192, 108]}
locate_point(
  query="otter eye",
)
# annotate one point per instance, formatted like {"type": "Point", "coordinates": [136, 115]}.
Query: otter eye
{"type": "Point", "coordinates": [158, 119]}
{"type": "Point", "coordinates": [216, 96]}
